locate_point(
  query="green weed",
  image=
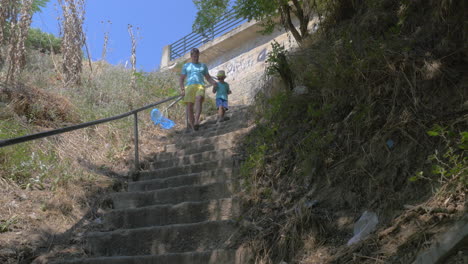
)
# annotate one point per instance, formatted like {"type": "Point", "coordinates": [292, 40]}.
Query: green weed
{"type": "Point", "coordinates": [42, 41]}
{"type": "Point", "coordinates": [6, 225]}
{"type": "Point", "coordinates": [278, 64]}
{"type": "Point", "coordinates": [450, 163]}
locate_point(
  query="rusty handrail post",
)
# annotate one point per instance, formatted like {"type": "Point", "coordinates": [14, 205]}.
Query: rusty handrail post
{"type": "Point", "coordinates": [137, 156]}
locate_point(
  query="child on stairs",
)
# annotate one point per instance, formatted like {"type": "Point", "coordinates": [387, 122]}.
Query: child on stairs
{"type": "Point", "coordinates": [222, 90]}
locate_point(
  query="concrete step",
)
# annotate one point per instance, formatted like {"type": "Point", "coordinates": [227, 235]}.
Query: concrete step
{"type": "Point", "coordinates": [173, 195]}
{"type": "Point", "coordinates": [193, 159]}
{"type": "Point", "coordinates": [187, 169]}
{"type": "Point", "coordinates": [183, 213]}
{"type": "Point", "coordinates": [216, 130]}
{"type": "Point", "coordinates": [234, 121]}
{"type": "Point", "coordinates": [183, 142]}
{"type": "Point", "coordinates": [233, 112]}
{"type": "Point", "coordinates": [238, 116]}
{"type": "Point", "coordinates": [204, 257]}
{"type": "Point", "coordinates": [199, 178]}
{"type": "Point", "coordinates": [204, 236]}
{"type": "Point", "coordinates": [190, 150]}
{"type": "Point", "coordinates": [204, 128]}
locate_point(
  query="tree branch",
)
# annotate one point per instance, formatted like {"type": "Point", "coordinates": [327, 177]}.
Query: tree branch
{"type": "Point", "coordinates": [298, 11]}
{"type": "Point", "coordinates": [303, 18]}
{"type": "Point", "coordinates": [287, 22]}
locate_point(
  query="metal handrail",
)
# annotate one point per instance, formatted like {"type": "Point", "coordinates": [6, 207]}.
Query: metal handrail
{"type": "Point", "coordinates": [17, 140]}
{"type": "Point", "coordinates": [226, 22]}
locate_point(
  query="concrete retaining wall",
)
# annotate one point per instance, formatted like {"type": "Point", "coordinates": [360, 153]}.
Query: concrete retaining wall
{"type": "Point", "coordinates": [242, 53]}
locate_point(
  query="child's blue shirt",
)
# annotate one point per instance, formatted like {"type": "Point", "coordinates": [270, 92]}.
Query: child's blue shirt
{"type": "Point", "coordinates": [222, 91]}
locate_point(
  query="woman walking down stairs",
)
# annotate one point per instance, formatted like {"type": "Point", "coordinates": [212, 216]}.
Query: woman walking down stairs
{"type": "Point", "coordinates": [183, 209]}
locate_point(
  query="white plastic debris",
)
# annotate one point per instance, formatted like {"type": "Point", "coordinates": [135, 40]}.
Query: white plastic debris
{"type": "Point", "coordinates": [363, 227]}
{"type": "Point", "coordinates": [300, 90]}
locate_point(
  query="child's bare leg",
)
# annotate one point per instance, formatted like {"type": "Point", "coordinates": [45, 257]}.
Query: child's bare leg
{"type": "Point", "coordinates": [198, 108]}
{"type": "Point", "coordinates": [189, 109]}
{"type": "Point", "coordinates": [220, 112]}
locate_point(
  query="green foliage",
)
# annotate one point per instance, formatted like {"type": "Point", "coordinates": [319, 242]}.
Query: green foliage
{"type": "Point", "coordinates": [269, 12]}
{"type": "Point", "coordinates": [10, 155]}
{"type": "Point", "coordinates": [450, 164]}
{"type": "Point", "coordinates": [436, 131]}
{"type": "Point", "coordinates": [38, 5]}
{"type": "Point", "coordinates": [5, 225]}
{"type": "Point", "coordinates": [278, 65]}
{"type": "Point", "coordinates": [289, 125]}
{"type": "Point", "coordinates": [260, 10]}
{"type": "Point", "coordinates": [208, 14]}
{"type": "Point", "coordinates": [464, 141]}
{"type": "Point", "coordinates": [276, 59]}
{"type": "Point", "coordinates": [42, 41]}
{"type": "Point", "coordinates": [255, 161]}
{"type": "Point", "coordinates": [24, 163]}
{"type": "Point", "coordinates": [109, 92]}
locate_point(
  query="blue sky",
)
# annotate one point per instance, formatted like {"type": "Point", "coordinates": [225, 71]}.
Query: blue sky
{"type": "Point", "coordinates": [161, 23]}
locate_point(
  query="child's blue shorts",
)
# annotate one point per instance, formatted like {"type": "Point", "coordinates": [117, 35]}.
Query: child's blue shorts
{"type": "Point", "coordinates": [221, 102]}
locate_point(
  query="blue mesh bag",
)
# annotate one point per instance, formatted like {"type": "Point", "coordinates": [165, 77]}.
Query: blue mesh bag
{"type": "Point", "coordinates": [159, 119]}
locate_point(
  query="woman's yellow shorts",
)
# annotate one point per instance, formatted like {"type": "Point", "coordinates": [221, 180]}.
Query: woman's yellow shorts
{"type": "Point", "coordinates": [192, 91]}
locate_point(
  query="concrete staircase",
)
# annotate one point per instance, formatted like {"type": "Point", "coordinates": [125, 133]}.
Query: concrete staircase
{"type": "Point", "coordinates": [183, 209]}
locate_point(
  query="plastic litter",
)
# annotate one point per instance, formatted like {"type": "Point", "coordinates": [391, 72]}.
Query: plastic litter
{"type": "Point", "coordinates": [310, 204]}
{"type": "Point", "coordinates": [158, 119]}
{"type": "Point", "coordinates": [363, 227]}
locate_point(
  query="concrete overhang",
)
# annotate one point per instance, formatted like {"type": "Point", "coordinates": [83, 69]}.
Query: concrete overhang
{"type": "Point", "coordinates": [216, 47]}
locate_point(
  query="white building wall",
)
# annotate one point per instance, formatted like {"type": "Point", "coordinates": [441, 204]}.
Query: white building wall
{"type": "Point", "coordinates": [242, 54]}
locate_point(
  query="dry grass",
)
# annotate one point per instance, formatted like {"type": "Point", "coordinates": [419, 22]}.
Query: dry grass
{"type": "Point", "coordinates": [73, 39]}
{"type": "Point", "coordinates": [15, 59]}
{"type": "Point", "coordinates": [133, 55]}
{"type": "Point", "coordinates": [106, 41]}
{"type": "Point", "coordinates": [40, 107]}
{"type": "Point", "coordinates": [5, 11]}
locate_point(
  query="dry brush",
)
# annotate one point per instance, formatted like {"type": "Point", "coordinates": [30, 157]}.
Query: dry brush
{"type": "Point", "coordinates": [73, 39]}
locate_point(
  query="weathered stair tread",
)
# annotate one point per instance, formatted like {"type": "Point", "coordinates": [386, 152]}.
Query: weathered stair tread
{"type": "Point", "coordinates": [186, 212]}
{"type": "Point", "coordinates": [209, 136]}
{"type": "Point", "coordinates": [203, 236]}
{"type": "Point", "coordinates": [203, 257]}
{"type": "Point", "coordinates": [173, 195]}
{"type": "Point", "coordinates": [198, 143]}
{"type": "Point", "coordinates": [193, 179]}
{"type": "Point", "coordinates": [221, 129]}
{"type": "Point", "coordinates": [193, 158]}
{"type": "Point", "coordinates": [187, 169]}
{"type": "Point", "coordinates": [189, 150]}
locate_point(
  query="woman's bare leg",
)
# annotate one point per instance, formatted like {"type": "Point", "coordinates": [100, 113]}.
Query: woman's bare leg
{"type": "Point", "coordinates": [189, 109]}
{"type": "Point", "coordinates": [198, 108]}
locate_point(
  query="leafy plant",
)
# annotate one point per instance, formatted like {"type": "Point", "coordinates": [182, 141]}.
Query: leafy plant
{"type": "Point", "coordinates": [278, 64]}
{"type": "Point", "coordinates": [38, 5]}
{"type": "Point", "coordinates": [451, 163]}
{"type": "Point", "coordinates": [5, 225]}
{"type": "Point", "coordinates": [43, 41]}
{"type": "Point", "coordinates": [267, 11]}
{"type": "Point", "coordinates": [27, 164]}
